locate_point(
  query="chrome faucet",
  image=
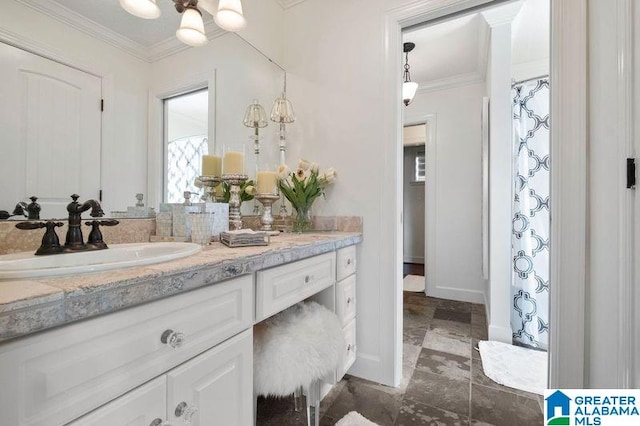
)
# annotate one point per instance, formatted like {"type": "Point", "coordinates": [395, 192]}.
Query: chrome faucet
{"type": "Point", "coordinates": [74, 240]}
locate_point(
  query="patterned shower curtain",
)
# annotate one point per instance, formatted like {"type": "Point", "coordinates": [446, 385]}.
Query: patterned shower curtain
{"type": "Point", "coordinates": [530, 236]}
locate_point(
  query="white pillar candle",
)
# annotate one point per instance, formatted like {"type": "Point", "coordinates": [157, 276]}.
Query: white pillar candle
{"type": "Point", "coordinates": [233, 163]}
{"type": "Point", "coordinates": [211, 165]}
{"type": "Point", "coordinates": [267, 182]}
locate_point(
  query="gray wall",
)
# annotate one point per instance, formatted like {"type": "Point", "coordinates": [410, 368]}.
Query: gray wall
{"type": "Point", "coordinates": [413, 207]}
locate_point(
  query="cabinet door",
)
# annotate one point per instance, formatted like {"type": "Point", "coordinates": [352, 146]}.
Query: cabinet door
{"type": "Point", "coordinates": [215, 388]}
{"type": "Point", "coordinates": [140, 407]}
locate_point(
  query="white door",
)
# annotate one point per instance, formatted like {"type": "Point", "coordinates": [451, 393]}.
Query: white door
{"type": "Point", "coordinates": [215, 388]}
{"type": "Point", "coordinates": [50, 132]}
{"type": "Point", "coordinates": [143, 406]}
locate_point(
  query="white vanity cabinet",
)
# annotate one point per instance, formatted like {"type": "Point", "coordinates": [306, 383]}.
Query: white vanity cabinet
{"type": "Point", "coordinates": [214, 388]}
{"type": "Point", "coordinates": [56, 376]}
{"type": "Point", "coordinates": [184, 359]}
{"type": "Point", "coordinates": [346, 266]}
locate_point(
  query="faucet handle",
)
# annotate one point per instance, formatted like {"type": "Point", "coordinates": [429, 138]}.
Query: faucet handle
{"type": "Point", "coordinates": [50, 243]}
{"type": "Point", "coordinates": [104, 222]}
{"type": "Point", "coordinates": [37, 225]}
{"type": "Point", "coordinates": [75, 197]}
{"type": "Point", "coordinates": [30, 225]}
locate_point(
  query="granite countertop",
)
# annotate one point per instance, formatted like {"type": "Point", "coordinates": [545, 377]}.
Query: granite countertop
{"type": "Point", "coordinates": [32, 305]}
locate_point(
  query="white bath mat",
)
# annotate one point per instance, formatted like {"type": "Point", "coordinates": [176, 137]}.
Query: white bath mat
{"type": "Point", "coordinates": [514, 366]}
{"type": "Point", "coordinates": [355, 419]}
{"type": "Point", "coordinates": [413, 283]}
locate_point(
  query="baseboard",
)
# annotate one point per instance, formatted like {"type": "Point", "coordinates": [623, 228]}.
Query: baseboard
{"type": "Point", "coordinates": [462, 295]}
{"type": "Point", "coordinates": [500, 334]}
{"type": "Point", "coordinates": [413, 259]}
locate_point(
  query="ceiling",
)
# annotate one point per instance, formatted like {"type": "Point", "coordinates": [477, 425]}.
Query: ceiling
{"type": "Point", "coordinates": [455, 52]}
{"type": "Point", "coordinates": [146, 32]}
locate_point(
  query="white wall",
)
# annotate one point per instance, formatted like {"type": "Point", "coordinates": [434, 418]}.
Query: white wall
{"type": "Point", "coordinates": [124, 88]}
{"type": "Point", "coordinates": [458, 190]}
{"type": "Point", "coordinates": [334, 53]}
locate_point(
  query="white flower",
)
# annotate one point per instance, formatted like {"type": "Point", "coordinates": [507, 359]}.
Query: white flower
{"type": "Point", "coordinates": [300, 174]}
{"type": "Point", "coordinates": [251, 190]}
{"type": "Point", "coordinates": [197, 183]}
{"type": "Point", "coordinates": [303, 164]}
{"type": "Point", "coordinates": [283, 172]}
{"type": "Point", "coordinates": [314, 167]}
{"type": "Point", "coordinates": [330, 175]}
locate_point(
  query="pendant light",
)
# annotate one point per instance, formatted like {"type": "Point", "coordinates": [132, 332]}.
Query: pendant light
{"type": "Point", "coordinates": [230, 16]}
{"type": "Point", "coordinates": [408, 87]}
{"type": "Point", "coordinates": [146, 9]}
{"type": "Point", "coordinates": [191, 29]}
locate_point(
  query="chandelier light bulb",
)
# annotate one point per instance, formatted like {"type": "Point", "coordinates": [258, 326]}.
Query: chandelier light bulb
{"type": "Point", "coordinates": [191, 29]}
{"type": "Point", "coordinates": [229, 16]}
{"type": "Point", "coordinates": [146, 9]}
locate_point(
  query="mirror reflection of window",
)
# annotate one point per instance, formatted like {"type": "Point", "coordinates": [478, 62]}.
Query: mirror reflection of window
{"type": "Point", "coordinates": [419, 166]}
{"type": "Point", "coordinates": [186, 130]}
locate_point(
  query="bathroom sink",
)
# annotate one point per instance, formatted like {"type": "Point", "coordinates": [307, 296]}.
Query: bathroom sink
{"type": "Point", "coordinates": [117, 256]}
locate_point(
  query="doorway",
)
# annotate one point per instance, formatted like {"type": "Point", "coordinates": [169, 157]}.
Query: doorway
{"type": "Point", "coordinates": [463, 60]}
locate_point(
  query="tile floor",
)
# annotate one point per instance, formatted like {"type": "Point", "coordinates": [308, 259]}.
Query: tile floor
{"type": "Point", "coordinates": [443, 382]}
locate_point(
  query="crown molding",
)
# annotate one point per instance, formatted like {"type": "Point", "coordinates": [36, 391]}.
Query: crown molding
{"type": "Point", "coordinates": [286, 4]}
{"type": "Point", "coordinates": [160, 50]}
{"type": "Point", "coordinates": [73, 19]}
{"type": "Point", "coordinates": [451, 82]}
{"type": "Point", "coordinates": [172, 45]}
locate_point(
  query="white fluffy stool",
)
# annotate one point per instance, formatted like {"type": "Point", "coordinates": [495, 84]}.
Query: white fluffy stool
{"type": "Point", "coordinates": [294, 349]}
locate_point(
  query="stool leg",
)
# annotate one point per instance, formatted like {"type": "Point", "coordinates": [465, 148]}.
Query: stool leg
{"type": "Point", "coordinates": [297, 399]}
{"type": "Point", "coordinates": [313, 404]}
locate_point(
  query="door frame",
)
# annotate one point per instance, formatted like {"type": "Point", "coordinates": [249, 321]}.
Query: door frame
{"type": "Point", "coordinates": [429, 240]}
{"type": "Point", "coordinates": [568, 183]}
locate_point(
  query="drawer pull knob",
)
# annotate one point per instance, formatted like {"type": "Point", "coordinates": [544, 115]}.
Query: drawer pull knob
{"type": "Point", "coordinates": [172, 338]}
{"type": "Point", "coordinates": [159, 422]}
{"type": "Point", "coordinates": [348, 300]}
{"type": "Point", "coordinates": [348, 261]}
{"type": "Point", "coordinates": [307, 279]}
{"type": "Point", "coordinates": [187, 412]}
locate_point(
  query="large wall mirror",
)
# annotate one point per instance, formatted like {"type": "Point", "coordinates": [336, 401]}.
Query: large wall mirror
{"type": "Point", "coordinates": [56, 140]}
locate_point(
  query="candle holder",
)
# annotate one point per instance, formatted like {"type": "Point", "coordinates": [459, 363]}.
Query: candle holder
{"type": "Point", "coordinates": [210, 183]}
{"type": "Point", "coordinates": [266, 219]}
{"type": "Point", "coordinates": [235, 181]}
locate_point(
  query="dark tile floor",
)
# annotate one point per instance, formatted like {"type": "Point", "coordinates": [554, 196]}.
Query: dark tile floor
{"type": "Point", "coordinates": [412, 269]}
{"type": "Point", "coordinates": [443, 382]}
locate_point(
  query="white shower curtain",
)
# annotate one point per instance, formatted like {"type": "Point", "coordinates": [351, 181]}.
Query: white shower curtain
{"type": "Point", "coordinates": [530, 236]}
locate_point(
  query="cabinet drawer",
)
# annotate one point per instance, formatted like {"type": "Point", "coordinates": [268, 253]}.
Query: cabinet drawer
{"type": "Point", "coordinates": [141, 406]}
{"type": "Point", "coordinates": [346, 299]}
{"type": "Point", "coordinates": [283, 286]}
{"type": "Point", "coordinates": [346, 262]}
{"type": "Point", "coordinates": [349, 354]}
{"type": "Point", "coordinates": [61, 374]}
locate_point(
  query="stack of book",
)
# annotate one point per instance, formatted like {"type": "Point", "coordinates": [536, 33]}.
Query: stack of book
{"type": "Point", "coordinates": [244, 238]}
